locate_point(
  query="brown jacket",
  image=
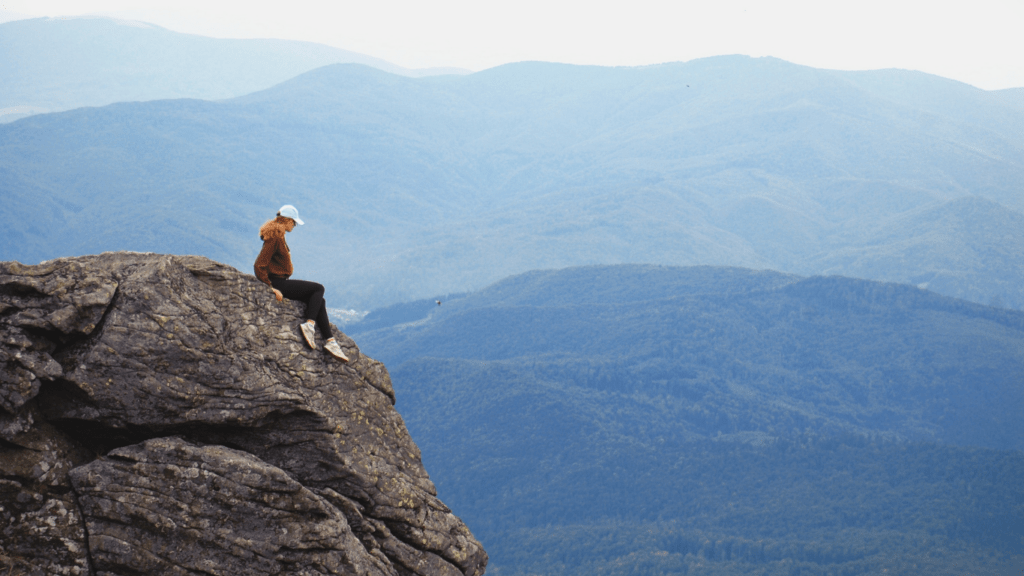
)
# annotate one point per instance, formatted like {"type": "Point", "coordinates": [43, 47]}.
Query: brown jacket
{"type": "Point", "coordinates": [275, 258]}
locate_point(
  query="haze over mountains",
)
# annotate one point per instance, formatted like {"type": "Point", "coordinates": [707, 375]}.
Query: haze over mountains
{"type": "Point", "coordinates": [419, 186]}
{"type": "Point", "coordinates": [52, 64]}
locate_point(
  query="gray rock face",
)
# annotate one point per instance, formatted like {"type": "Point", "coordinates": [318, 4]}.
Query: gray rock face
{"type": "Point", "coordinates": [162, 415]}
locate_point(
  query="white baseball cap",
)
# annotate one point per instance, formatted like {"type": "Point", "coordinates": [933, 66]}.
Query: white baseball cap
{"type": "Point", "coordinates": [289, 211]}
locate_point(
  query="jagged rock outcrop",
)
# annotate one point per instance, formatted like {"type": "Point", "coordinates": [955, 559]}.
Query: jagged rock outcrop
{"type": "Point", "coordinates": [161, 415]}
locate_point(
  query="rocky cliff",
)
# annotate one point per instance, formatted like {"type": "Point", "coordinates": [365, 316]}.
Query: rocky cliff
{"type": "Point", "coordinates": [161, 415]}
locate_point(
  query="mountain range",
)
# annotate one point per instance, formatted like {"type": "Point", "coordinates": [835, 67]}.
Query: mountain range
{"type": "Point", "coordinates": [660, 420]}
{"type": "Point", "coordinates": [752, 317]}
{"type": "Point", "coordinates": [419, 186]}
{"type": "Point", "coordinates": [53, 64]}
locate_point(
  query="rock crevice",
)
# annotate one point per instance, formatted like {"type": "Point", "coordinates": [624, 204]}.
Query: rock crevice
{"type": "Point", "coordinates": [161, 415]}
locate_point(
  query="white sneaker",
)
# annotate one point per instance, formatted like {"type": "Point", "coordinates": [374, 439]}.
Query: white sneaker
{"type": "Point", "coordinates": [334, 349]}
{"type": "Point", "coordinates": [309, 333]}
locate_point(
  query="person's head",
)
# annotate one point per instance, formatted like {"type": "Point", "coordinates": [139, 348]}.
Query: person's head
{"type": "Point", "coordinates": [289, 216]}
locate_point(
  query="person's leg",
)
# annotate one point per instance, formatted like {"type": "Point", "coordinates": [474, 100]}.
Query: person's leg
{"type": "Point", "coordinates": [312, 294]}
{"type": "Point", "coordinates": [323, 322]}
{"type": "Point", "coordinates": [316, 310]}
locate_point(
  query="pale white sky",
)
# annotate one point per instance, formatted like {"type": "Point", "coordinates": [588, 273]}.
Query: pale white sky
{"type": "Point", "coordinates": [980, 42]}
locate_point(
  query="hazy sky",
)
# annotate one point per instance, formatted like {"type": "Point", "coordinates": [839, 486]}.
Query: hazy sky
{"type": "Point", "coordinates": [979, 42]}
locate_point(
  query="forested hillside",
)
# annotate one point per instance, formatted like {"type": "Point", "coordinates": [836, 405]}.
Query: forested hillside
{"type": "Point", "coordinates": [650, 420]}
{"type": "Point", "coordinates": [420, 186]}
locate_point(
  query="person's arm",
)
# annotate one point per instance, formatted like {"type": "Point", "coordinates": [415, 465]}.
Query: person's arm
{"type": "Point", "coordinates": [270, 247]}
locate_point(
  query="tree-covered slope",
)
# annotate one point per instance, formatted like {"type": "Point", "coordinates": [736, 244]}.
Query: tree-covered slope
{"type": "Point", "coordinates": [50, 64]}
{"type": "Point", "coordinates": [447, 183]}
{"type": "Point", "coordinates": [740, 352]}
{"type": "Point", "coordinates": [948, 249]}
{"type": "Point", "coordinates": [649, 420]}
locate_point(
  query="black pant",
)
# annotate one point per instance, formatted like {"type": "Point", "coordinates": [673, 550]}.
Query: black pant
{"type": "Point", "coordinates": [312, 294]}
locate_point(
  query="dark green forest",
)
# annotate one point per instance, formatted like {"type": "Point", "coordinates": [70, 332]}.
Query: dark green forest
{"type": "Point", "coordinates": [656, 420]}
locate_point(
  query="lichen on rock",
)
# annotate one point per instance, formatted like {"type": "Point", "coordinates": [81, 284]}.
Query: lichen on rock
{"type": "Point", "coordinates": [162, 415]}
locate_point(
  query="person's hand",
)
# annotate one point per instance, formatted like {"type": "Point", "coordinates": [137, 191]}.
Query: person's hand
{"type": "Point", "coordinates": [278, 295]}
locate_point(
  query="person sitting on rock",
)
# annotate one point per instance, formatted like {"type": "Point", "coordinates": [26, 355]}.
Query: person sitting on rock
{"type": "Point", "coordinates": [274, 268]}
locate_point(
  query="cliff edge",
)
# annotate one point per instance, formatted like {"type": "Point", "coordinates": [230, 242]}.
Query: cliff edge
{"type": "Point", "coordinates": [161, 415]}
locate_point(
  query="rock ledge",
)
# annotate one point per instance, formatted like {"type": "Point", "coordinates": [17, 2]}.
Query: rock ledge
{"type": "Point", "coordinates": [161, 415]}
